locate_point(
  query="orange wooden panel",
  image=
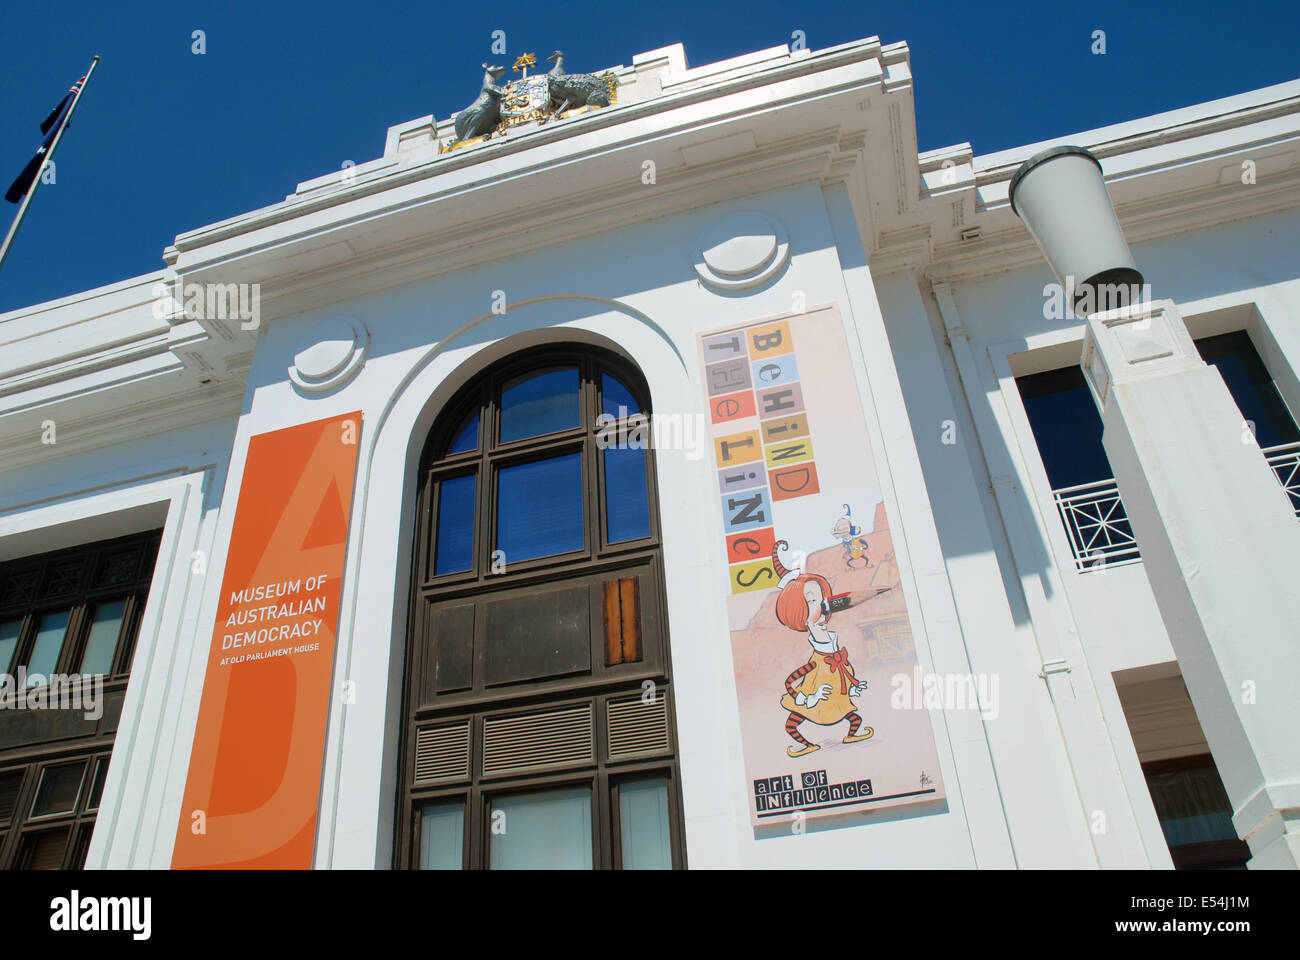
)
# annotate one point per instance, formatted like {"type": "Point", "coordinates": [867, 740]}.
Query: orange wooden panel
{"type": "Point", "coordinates": [613, 623]}
{"type": "Point", "coordinates": [631, 619]}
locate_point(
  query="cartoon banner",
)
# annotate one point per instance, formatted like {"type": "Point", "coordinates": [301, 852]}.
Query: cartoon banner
{"type": "Point", "coordinates": [255, 771]}
{"type": "Point", "coordinates": [818, 620]}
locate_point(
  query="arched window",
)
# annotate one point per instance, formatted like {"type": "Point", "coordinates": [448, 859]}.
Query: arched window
{"type": "Point", "coordinates": [538, 713]}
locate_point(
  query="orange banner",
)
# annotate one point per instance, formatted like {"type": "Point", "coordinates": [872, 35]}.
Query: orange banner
{"type": "Point", "coordinates": [255, 771]}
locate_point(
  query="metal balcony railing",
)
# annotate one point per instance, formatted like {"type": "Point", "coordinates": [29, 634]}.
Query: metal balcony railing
{"type": "Point", "coordinates": [1285, 461]}
{"type": "Point", "coordinates": [1097, 525]}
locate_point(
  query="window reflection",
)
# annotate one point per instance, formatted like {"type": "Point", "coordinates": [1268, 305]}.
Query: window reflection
{"type": "Point", "coordinates": [442, 836]}
{"type": "Point", "coordinates": [539, 508]}
{"type": "Point", "coordinates": [643, 824]}
{"type": "Point", "coordinates": [465, 438]}
{"type": "Point", "coordinates": [45, 651]}
{"type": "Point", "coordinates": [539, 403]}
{"type": "Point", "coordinates": [627, 505]}
{"type": "Point", "coordinates": [616, 399]}
{"type": "Point", "coordinates": [105, 627]}
{"type": "Point", "coordinates": [455, 550]}
{"type": "Point", "coordinates": [545, 830]}
{"type": "Point", "coordinates": [8, 642]}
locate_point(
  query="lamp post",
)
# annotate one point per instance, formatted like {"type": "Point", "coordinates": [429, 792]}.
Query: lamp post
{"type": "Point", "coordinates": [1217, 532]}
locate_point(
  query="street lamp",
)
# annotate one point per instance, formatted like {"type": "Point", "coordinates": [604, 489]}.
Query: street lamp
{"type": "Point", "coordinates": [1061, 196]}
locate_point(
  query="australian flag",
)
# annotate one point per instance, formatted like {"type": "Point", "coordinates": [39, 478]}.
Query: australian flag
{"type": "Point", "coordinates": [50, 127]}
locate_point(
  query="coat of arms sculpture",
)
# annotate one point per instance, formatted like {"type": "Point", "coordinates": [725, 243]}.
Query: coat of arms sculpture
{"type": "Point", "coordinates": [529, 100]}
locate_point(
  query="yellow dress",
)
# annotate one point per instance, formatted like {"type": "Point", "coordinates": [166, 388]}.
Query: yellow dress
{"type": "Point", "coordinates": [829, 668]}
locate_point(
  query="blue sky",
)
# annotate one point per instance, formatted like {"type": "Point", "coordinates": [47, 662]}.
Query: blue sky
{"type": "Point", "coordinates": [166, 140]}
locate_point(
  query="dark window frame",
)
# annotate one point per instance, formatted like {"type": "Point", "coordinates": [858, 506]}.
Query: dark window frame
{"type": "Point", "coordinates": [1259, 387]}
{"type": "Point", "coordinates": [81, 601]}
{"type": "Point", "coordinates": [32, 757]}
{"type": "Point", "coordinates": [1228, 853]}
{"type": "Point", "coordinates": [596, 562]}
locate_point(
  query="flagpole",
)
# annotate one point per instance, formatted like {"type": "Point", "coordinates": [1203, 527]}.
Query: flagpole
{"type": "Point", "coordinates": [36, 181]}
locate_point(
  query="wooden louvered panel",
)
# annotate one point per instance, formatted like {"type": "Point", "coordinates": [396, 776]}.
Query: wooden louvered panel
{"type": "Point", "coordinates": [538, 740]}
{"type": "Point", "coordinates": [636, 727]}
{"type": "Point", "coordinates": [43, 851]}
{"type": "Point", "coordinates": [442, 753]}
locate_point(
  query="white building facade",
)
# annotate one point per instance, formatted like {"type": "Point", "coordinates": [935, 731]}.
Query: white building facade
{"type": "Point", "coordinates": [776, 188]}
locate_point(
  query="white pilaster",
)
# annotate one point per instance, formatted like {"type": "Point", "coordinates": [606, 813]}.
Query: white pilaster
{"type": "Point", "coordinates": [1219, 540]}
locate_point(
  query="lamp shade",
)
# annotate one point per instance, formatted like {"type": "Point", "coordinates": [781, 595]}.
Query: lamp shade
{"type": "Point", "coordinates": [1061, 196]}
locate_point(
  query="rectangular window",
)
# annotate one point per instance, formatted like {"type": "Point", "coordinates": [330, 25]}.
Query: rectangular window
{"type": "Point", "coordinates": [542, 830]}
{"type": "Point", "coordinates": [59, 789]}
{"type": "Point", "coordinates": [64, 613]}
{"type": "Point", "coordinates": [539, 508]}
{"type": "Point", "coordinates": [1195, 814]}
{"type": "Point", "coordinates": [105, 631]}
{"type": "Point", "coordinates": [644, 825]}
{"type": "Point", "coordinates": [1067, 431]}
{"type": "Point", "coordinates": [455, 549]}
{"type": "Point", "coordinates": [1251, 386]}
{"type": "Point", "coordinates": [627, 509]}
{"type": "Point", "coordinates": [537, 628]}
{"type": "Point", "coordinates": [442, 836]}
{"type": "Point", "coordinates": [44, 658]}
{"type": "Point", "coordinates": [1264, 413]}
{"type": "Point", "coordinates": [9, 631]}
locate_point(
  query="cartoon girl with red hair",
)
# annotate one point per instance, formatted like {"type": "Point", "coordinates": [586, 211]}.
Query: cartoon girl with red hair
{"type": "Point", "coordinates": [821, 690]}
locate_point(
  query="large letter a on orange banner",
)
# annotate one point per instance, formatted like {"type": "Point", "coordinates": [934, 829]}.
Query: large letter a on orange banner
{"type": "Point", "coordinates": [254, 775]}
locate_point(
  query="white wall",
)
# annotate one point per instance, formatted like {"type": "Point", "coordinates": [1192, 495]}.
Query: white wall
{"type": "Point", "coordinates": [171, 480]}
{"type": "Point", "coordinates": [634, 290]}
{"type": "Point", "coordinates": [997, 504]}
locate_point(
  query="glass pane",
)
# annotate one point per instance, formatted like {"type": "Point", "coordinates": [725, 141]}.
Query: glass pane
{"type": "Point", "coordinates": [45, 652]}
{"type": "Point", "coordinates": [10, 781]}
{"type": "Point", "coordinates": [616, 400]}
{"type": "Point", "coordinates": [627, 506]}
{"type": "Point", "coordinates": [543, 830]}
{"type": "Point", "coordinates": [539, 508]}
{"type": "Point", "coordinates": [102, 642]}
{"type": "Point", "coordinates": [78, 859]}
{"type": "Point", "coordinates": [1192, 806]}
{"type": "Point", "coordinates": [466, 437]}
{"type": "Point", "coordinates": [8, 642]}
{"type": "Point", "coordinates": [539, 403]}
{"type": "Point", "coordinates": [643, 823]}
{"type": "Point", "coordinates": [97, 786]}
{"type": "Point", "coordinates": [1250, 384]}
{"type": "Point", "coordinates": [442, 836]}
{"type": "Point", "coordinates": [60, 787]}
{"type": "Point", "coordinates": [455, 549]}
{"type": "Point", "coordinates": [1066, 425]}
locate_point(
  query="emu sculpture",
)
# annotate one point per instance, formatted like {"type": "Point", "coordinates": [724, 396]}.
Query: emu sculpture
{"type": "Point", "coordinates": [574, 89]}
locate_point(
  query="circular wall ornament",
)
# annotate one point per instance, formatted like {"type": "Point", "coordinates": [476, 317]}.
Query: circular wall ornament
{"type": "Point", "coordinates": [329, 355]}
{"type": "Point", "coordinates": [741, 251]}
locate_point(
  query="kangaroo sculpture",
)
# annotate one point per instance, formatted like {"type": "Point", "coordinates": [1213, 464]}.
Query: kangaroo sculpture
{"type": "Point", "coordinates": [481, 117]}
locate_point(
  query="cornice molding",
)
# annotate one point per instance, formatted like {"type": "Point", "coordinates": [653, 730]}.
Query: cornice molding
{"type": "Point", "coordinates": [21, 446]}
{"type": "Point", "coordinates": [1151, 218]}
{"type": "Point", "coordinates": [526, 145]}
